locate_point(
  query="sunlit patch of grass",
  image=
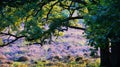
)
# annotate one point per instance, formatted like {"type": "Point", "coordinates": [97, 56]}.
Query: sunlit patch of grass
{"type": "Point", "coordinates": [96, 63]}
{"type": "Point", "coordinates": [59, 64]}
{"type": "Point", "coordinates": [19, 64]}
{"type": "Point", "coordinates": [41, 64]}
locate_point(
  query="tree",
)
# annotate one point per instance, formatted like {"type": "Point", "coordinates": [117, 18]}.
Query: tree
{"type": "Point", "coordinates": [103, 30]}
{"type": "Point", "coordinates": [29, 19]}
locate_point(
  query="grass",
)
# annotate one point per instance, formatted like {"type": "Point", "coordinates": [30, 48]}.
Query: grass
{"type": "Point", "coordinates": [19, 64]}
{"type": "Point", "coordinates": [94, 63]}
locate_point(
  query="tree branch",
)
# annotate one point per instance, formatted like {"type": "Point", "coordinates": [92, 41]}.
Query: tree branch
{"type": "Point", "coordinates": [51, 9]}
{"type": "Point", "coordinates": [8, 34]}
{"type": "Point", "coordinates": [80, 28]}
{"type": "Point", "coordinates": [80, 1]}
{"type": "Point", "coordinates": [11, 41]}
{"type": "Point", "coordinates": [37, 11]}
{"type": "Point", "coordinates": [77, 17]}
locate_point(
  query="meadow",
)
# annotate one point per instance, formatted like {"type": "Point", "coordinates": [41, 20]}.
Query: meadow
{"type": "Point", "coordinates": [66, 51]}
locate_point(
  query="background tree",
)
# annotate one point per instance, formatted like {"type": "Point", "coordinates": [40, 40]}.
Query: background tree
{"type": "Point", "coordinates": [103, 30]}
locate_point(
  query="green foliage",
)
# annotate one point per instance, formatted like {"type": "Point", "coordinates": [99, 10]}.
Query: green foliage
{"type": "Point", "coordinates": [32, 15]}
{"type": "Point", "coordinates": [101, 18]}
{"type": "Point", "coordinates": [36, 14]}
{"type": "Point", "coordinates": [102, 23]}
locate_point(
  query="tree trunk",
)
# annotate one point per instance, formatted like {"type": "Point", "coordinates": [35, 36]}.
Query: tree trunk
{"type": "Point", "coordinates": [105, 57]}
{"type": "Point", "coordinates": [115, 54]}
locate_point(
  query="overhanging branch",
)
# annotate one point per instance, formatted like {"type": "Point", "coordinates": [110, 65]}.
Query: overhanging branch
{"type": "Point", "coordinates": [77, 17]}
{"type": "Point", "coordinates": [80, 1]}
{"type": "Point", "coordinates": [51, 9]}
{"type": "Point", "coordinates": [11, 41]}
{"type": "Point", "coordinates": [9, 34]}
{"type": "Point", "coordinates": [74, 27]}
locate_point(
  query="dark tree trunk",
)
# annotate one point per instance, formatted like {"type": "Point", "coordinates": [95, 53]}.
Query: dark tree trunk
{"type": "Point", "coordinates": [105, 57]}
{"type": "Point", "coordinates": [115, 54]}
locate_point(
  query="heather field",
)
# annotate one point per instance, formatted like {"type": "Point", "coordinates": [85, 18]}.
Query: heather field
{"type": "Point", "coordinates": [68, 50]}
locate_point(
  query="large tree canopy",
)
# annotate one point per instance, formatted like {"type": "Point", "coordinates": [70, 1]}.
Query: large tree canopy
{"type": "Point", "coordinates": [40, 19]}
{"type": "Point", "coordinates": [103, 30]}
{"type": "Point", "coordinates": [103, 23]}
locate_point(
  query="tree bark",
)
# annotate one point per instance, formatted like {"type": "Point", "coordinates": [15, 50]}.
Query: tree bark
{"type": "Point", "coordinates": [115, 54]}
{"type": "Point", "coordinates": [105, 57]}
